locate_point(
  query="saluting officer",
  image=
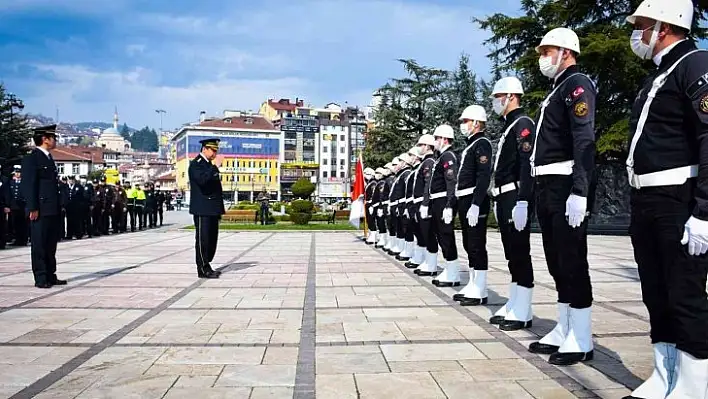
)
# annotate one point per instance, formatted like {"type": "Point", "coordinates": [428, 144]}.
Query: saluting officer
{"type": "Point", "coordinates": [369, 191]}
{"type": "Point", "coordinates": [563, 163]}
{"type": "Point", "coordinates": [382, 206]}
{"type": "Point", "coordinates": [441, 205]}
{"type": "Point", "coordinates": [425, 259]}
{"type": "Point", "coordinates": [207, 206]}
{"type": "Point", "coordinates": [473, 178]}
{"type": "Point", "coordinates": [512, 187]}
{"type": "Point", "coordinates": [407, 206]}
{"type": "Point", "coordinates": [669, 197]}
{"type": "Point", "coordinates": [40, 188]}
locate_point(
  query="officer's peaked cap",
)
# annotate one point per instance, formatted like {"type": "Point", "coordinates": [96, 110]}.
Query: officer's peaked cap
{"type": "Point", "coordinates": [210, 143]}
{"type": "Point", "coordinates": [48, 130]}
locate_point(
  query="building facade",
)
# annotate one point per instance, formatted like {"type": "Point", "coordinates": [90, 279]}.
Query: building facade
{"type": "Point", "coordinates": [248, 159]}
{"type": "Point", "coordinates": [299, 155]}
{"type": "Point", "coordinates": [334, 149]}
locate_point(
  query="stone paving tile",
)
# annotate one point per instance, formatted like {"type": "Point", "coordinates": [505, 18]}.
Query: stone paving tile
{"type": "Point", "coordinates": [378, 332]}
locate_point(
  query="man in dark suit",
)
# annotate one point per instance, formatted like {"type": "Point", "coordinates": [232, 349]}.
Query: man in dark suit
{"type": "Point", "coordinates": [40, 188]}
{"type": "Point", "coordinates": [207, 205]}
{"type": "Point", "coordinates": [73, 203]}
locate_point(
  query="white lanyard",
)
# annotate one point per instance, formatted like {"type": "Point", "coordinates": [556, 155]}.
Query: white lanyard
{"type": "Point", "coordinates": [545, 104]}
{"type": "Point", "coordinates": [464, 155]}
{"type": "Point", "coordinates": [656, 85]}
{"type": "Point", "coordinates": [503, 139]}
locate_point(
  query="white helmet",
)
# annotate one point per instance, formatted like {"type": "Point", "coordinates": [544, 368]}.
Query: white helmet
{"type": "Point", "coordinates": [414, 150]}
{"type": "Point", "coordinates": [674, 12]}
{"type": "Point", "coordinates": [395, 162]}
{"type": "Point", "coordinates": [368, 172]}
{"type": "Point", "coordinates": [507, 85]}
{"type": "Point", "coordinates": [427, 139]}
{"type": "Point", "coordinates": [560, 37]}
{"type": "Point", "coordinates": [474, 113]}
{"type": "Point", "coordinates": [379, 171]}
{"type": "Point", "coordinates": [444, 131]}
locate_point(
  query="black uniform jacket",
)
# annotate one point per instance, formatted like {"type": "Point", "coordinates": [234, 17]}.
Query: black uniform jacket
{"type": "Point", "coordinates": [568, 128]}
{"type": "Point", "coordinates": [207, 197]}
{"type": "Point", "coordinates": [40, 184]}
{"type": "Point", "coordinates": [476, 167]}
{"type": "Point", "coordinates": [676, 130]}
{"type": "Point", "coordinates": [512, 165]}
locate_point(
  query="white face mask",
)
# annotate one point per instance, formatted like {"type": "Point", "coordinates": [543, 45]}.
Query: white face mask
{"type": "Point", "coordinates": [464, 129]}
{"type": "Point", "coordinates": [498, 105]}
{"type": "Point", "coordinates": [641, 49]}
{"type": "Point", "coordinates": [548, 68]}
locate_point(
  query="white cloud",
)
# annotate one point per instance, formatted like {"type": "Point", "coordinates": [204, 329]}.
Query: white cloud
{"type": "Point", "coordinates": [337, 50]}
{"type": "Point", "coordinates": [80, 92]}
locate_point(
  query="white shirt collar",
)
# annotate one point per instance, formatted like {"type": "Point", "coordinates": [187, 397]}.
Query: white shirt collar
{"type": "Point", "coordinates": [658, 57]}
{"type": "Point", "coordinates": [205, 158]}
{"type": "Point", "coordinates": [44, 151]}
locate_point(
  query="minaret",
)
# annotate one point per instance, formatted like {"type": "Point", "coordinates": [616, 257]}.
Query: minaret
{"type": "Point", "coordinates": [115, 119]}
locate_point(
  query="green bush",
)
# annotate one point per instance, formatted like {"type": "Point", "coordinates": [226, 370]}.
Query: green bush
{"type": "Point", "coordinates": [303, 188]}
{"type": "Point", "coordinates": [245, 207]}
{"type": "Point", "coordinates": [302, 206]}
{"type": "Point", "coordinates": [301, 218]}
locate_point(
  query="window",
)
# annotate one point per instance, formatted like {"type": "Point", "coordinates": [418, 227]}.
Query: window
{"type": "Point", "coordinates": [60, 168]}
{"type": "Point", "coordinates": [342, 161]}
{"type": "Point", "coordinates": [74, 168]}
{"type": "Point", "coordinates": [324, 174]}
{"type": "Point", "coordinates": [324, 161]}
{"type": "Point", "coordinates": [342, 137]}
{"type": "Point", "coordinates": [341, 150]}
{"type": "Point", "coordinates": [341, 174]}
{"type": "Point", "coordinates": [324, 149]}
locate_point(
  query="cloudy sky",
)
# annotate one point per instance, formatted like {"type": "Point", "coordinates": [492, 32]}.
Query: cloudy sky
{"type": "Point", "coordinates": [184, 56]}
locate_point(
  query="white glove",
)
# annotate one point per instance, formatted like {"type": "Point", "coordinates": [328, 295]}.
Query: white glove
{"type": "Point", "coordinates": [695, 234]}
{"type": "Point", "coordinates": [520, 214]}
{"type": "Point", "coordinates": [472, 215]}
{"type": "Point", "coordinates": [405, 213]}
{"type": "Point", "coordinates": [447, 215]}
{"type": "Point", "coordinates": [371, 210]}
{"type": "Point", "coordinates": [575, 208]}
{"type": "Point", "coordinates": [423, 212]}
{"type": "Point", "coordinates": [379, 213]}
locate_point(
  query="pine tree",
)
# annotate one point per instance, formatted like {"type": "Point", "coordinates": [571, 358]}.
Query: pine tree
{"type": "Point", "coordinates": [15, 134]}
{"type": "Point", "coordinates": [125, 132]}
{"type": "Point", "coordinates": [605, 56]}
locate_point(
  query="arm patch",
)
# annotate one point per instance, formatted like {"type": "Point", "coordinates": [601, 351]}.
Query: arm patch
{"type": "Point", "coordinates": [450, 174]}
{"type": "Point", "coordinates": [697, 87]}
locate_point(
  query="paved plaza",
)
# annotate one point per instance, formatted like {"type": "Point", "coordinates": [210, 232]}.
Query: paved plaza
{"type": "Point", "coordinates": [293, 315]}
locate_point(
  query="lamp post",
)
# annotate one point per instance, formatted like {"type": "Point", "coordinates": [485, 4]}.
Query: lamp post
{"type": "Point", "coordinates": [160, 111]}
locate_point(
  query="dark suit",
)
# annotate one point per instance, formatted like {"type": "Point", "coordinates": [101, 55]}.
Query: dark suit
{"type": "Point", "coordinates": [74, 205]}
{"type": "Point", "coordinates": [40, 189]}
{"type": "Point", "coordinates": [4, 203]}
{"type": "Point", "coordinates": [207, 205]}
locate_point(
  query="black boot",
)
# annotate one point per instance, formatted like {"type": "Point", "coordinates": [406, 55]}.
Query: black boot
{"type": "Point", "coordinates": [514, 325]}
{"type": "Point", "coordinates": [568, 359]}
{"type": "Point", "coordinates": [496, 320]}
{"type": "Point", "coordinates": [473, 301]}
{"type": "Point", "coordinates": [203, 273]}
{"type": "Point", "coordinates": [543, 349]}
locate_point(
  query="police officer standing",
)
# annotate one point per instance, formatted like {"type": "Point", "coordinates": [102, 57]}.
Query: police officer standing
{"type": "Point", "coordinates": [563, 162]}
{"type": "Point", "coordinates": [131, 194]}
{"type": "Point", "coordinates": [473, 179]}
{"type": "Point", "coordinates": [73, 203]}
{"type": "Point", "coordinates": [4, 210]}
{"type": "Point", "coordinates": [40, 188]}
{"type": "Point", "coordinates": [512, 193]}
{"type": "Point", "coordinates": [120, 207]}
{"type": "Point", "coordinates": [160, 198]}
{"type": "Point", "coordinates": [441, 205]}
{"type": "Point", "coordinates": [18, 217]}
{"type": "Point", "coordinates": [398, 202]}
{"type": "Point", "coordinates": [391, 221]}
{"type": "Point", "coordinates": [425, 258]}
{"type": "Point", "coordinates": [150, 211]}
{"type": "Point", "coordinates": [371, 204]}
{"type": "Point", "coordinates": [413, 160]}
{"type": "Point", "coordinates": [140, 206]}
{"type": "Point", "coordinates": [89, 195]}
{"type": "Point", "coordinates": [669, 197]}
{"type": "Point", "coordinates": [106, 198]}
{"type": "Point", "coordinates": [382, 211]}
{"type": "Point", "coordinates": [207, 206]}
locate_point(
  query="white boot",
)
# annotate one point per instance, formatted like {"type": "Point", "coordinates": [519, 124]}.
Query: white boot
{"type": "Point", "coordinates": [577, 346]}
{"type": "Point", "coordinates": [663, 378]}
{"type": "Point", "coordinates": [450, 275]}
{"type": "Point", "coordinates": [396, 246]}
{"type": "Point", "coordinates": [429, 266]}
{"type": "Point", "coordinates": [520, 314]}
{"type": "Point", "coordinates": [554, 339]}
{"type": "Point", "coordinates": [372, 237]}
{"type": "Point", "coordinates": [407, 250]}
{"type": "Point", "coordinates": [382, 240]}
{"type": "Point", "coordinates": [467, 289]}
{"type": "Point", "coordinates": [691, 377]}
{"type": "Point", "coordinates": [418, 256]}
{"type": "Point", "coordinates": [478, 293]}
{"type": "Point", "coordinates": [389, 242]}
{"type": "Point", "coordinates": [502, 312]}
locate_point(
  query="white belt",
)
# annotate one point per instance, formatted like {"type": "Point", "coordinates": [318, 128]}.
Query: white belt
{"type": "Point", "coordinates": [392, 203]}
{"type": "Point", "coordinates": [497, 191]}
{"type": "Point", "coordinates": [670, 177]}
{"type": "Point", "coordinates": [564, 168]}
{"type": "Point", "coordinates": [384, 202]}
{"type": "Point", "coordinates": [464, 192]}
{"type": "Point", "coordinates": [417, 200]}
{"type": "Point", "coordinates": [409, 199]}
{"type": "Point", "coordinates": [438, 195]}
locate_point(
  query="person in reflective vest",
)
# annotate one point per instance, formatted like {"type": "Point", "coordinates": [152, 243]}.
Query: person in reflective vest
{"type": "Point", "coordinates": [668, 173]}
{"type": "Point", "coordinates": [563, 163]}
